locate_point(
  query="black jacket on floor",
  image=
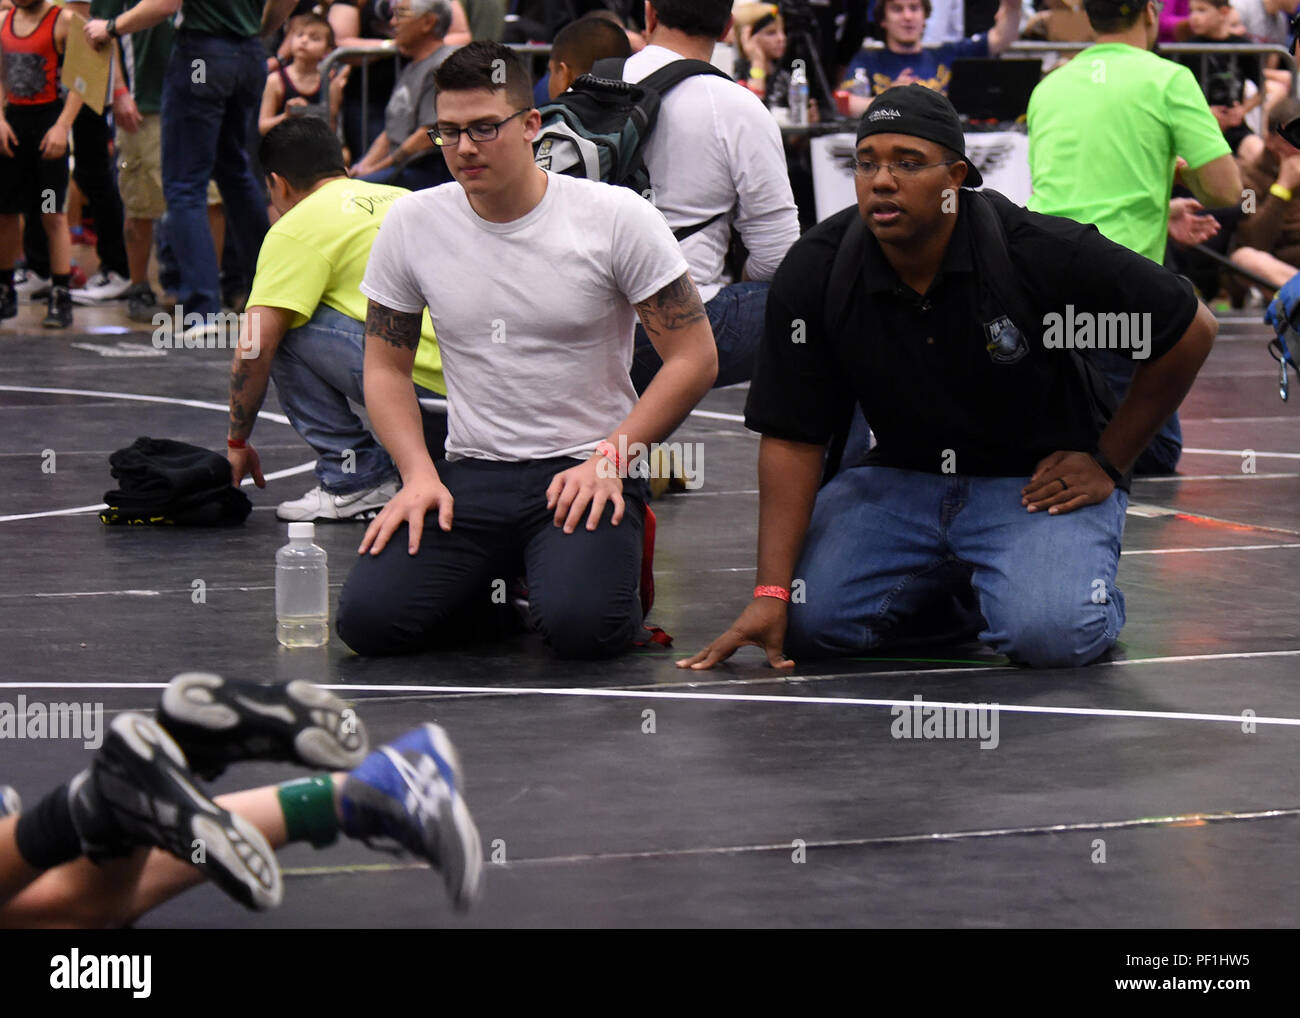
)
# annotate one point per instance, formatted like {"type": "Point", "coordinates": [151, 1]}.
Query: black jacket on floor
{"type": "Point", "coordinates": [164, 482]}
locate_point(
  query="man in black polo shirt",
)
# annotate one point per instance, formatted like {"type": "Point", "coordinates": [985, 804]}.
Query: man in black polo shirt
{"type": "Point", "coordinates": [996, 484]}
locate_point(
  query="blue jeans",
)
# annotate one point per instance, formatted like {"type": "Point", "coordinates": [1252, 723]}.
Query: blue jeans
{"type": "Point", "coordinates": [317, 368]}
{"type": "Point", "coordinates": [891, 555]}
{"type": "Point", "coordinates": [736, 314]}
{"type": "Point", "coordinates": [1161, 456]}
{"type": "Point", "coordinates": [205, 132]}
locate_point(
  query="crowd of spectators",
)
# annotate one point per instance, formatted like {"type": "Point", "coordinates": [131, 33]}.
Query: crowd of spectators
{"type": "Point", "coordinates": [170, 168]}
{"type": "Point", "coordinates": [367, 67]}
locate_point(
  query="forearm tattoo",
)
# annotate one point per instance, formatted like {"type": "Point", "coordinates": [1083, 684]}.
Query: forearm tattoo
{"type": "Point", "coordinates": [397, 328]}
{"type": "Point", "coordinates": [676, 306]}
{"type": "Point", "coordinates": [244, 405]}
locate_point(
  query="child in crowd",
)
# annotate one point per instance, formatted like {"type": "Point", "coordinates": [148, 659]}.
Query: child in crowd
{"type": "Point", "coordinates": [34, 129]}
{"type": "Point", "coordinates": [294, 90]}
{"type": "Point", "coordinates": [580, 45]}
{"type": "Point", "coordinates": [1223, 78]}
{"type": "Point", "coordinates": [760, 37]}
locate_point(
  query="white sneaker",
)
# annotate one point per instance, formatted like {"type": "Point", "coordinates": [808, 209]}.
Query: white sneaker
{"type": "Point", "coordinates": [319, 504]}
{"type": "Point", "coordinates": [30, 286]}
{"type": "Point", "coordinates": [101, 287]}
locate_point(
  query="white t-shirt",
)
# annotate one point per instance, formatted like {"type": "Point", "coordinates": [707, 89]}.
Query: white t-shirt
{"type": "Point", "coordinates": [535, 317]}
{"type": "Point", "coordinates": [716, 148]}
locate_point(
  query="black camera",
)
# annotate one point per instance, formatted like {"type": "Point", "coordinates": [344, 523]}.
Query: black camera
{"type": "Point", "coordinates": [1223, 89]}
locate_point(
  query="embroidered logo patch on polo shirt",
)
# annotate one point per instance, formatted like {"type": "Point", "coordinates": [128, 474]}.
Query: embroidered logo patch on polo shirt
{"type": "Point", "coordinates": [1006, 345]}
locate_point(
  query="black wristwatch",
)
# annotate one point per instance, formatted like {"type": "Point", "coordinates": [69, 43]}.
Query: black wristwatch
{"type": "Point", "coordinates": [111, 28]}
{"type": "Point", "coordinates": [1111, 470]}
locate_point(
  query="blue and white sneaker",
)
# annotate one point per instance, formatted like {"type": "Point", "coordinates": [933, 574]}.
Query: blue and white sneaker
{"type": "Point", "coordinates": [409, 792]}
{"type": "Point", "coordinates": [9, 801]}
{"type": "Point", "coordinates": [140, 791]}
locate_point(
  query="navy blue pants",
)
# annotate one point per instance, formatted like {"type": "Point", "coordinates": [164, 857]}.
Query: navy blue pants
{"type": "Point", "coordinates": [582, 587]}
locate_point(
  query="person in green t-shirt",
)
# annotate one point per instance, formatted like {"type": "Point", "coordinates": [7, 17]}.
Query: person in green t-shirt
{"type": "Point", "coordinates": [1110, 133]}
{"type": "Point", "coordinates": [305, 328]}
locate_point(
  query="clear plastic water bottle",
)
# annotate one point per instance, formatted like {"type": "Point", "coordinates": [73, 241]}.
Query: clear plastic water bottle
{"type": "Point", "coordinates": [302, 607]}
{"type": "Point", "coordinates": [798, 95]}
{"type": "Point", "coordinates": [861, 83]}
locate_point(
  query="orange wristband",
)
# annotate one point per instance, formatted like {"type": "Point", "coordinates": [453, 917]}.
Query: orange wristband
{"type": "Point", "coordinates": [768, 591]}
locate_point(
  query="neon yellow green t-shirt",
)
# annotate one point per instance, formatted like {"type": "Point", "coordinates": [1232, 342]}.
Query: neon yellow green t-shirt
{"type": "Point", "coordinates": [1104, 131]}
{"type": "Point", "coordinates": [316, 254]}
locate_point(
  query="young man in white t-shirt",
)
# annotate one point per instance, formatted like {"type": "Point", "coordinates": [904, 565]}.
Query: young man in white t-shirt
{"type": "Point", "coordinates": [534, 284]}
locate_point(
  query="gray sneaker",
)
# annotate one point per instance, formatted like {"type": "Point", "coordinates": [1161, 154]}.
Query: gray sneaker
{"type": "Point", "coordinates": [141, 303]}
{"type": "Point", "coordinates": [319, 504]}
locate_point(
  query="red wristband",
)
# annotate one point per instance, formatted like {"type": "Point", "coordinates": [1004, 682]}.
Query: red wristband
{"type": "Point", "coordinates": [236, 443]}
{"type": "Point", "coordinates": [121, 90]}
{"type": "Point", "coordinates": [767, 591]}
{"type": "Point", "coordinates": [610, 453]}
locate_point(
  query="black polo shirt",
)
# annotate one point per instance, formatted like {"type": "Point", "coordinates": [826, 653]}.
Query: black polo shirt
{"type": "Point", "coordinates": [945, 388]}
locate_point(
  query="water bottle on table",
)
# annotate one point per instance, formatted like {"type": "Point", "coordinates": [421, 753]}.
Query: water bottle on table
{"type": "Point", "coordinates": [302, 590]}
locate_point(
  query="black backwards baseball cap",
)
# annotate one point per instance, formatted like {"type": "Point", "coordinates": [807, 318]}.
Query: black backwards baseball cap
{"type": "Point", "coordinates": [923, 113]}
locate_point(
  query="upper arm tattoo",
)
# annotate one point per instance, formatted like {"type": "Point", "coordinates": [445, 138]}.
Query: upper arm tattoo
{"type": "Point", "coordinates": [397, 328]}
{"type": "Point", "coordinates": [676, 306]}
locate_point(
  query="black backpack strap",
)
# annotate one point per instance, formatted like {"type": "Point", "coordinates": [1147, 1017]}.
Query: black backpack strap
{"type": "Point", "coordinates": [841, 289]}
{"type": "Point", "coordinates": [1000, 279]}
{"type": "Point", "coordinates": [671, 75]}
{"type": "Point", "coordinates": [846, 275]}
{"type": "Point", "coordinates": [997, 274]}
{"type": "Point", "coordinates": [682, 232]}
{"type": "Point", "coordinates": [661, 82]}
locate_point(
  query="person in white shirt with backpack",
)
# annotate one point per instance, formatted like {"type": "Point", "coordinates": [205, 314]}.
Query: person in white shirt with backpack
{"type": "Point", "coordinates": [715, 157]}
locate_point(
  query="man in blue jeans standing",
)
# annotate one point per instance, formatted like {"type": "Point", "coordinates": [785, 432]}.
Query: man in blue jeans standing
{"type": "Point", "coordinates": [304, 328]}
{"type": "Point", "coordinates": [995, 495]}
{"type": "Point", "coordinates": [716, 162]}
{"type": "Point", "coordinates": [211, 93]}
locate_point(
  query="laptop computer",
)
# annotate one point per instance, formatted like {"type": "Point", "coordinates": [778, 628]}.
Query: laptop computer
{"type": "Point", "coordinates": [993, 89]}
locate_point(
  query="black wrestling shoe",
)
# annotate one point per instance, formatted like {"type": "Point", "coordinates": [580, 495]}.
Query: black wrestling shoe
{"type": "Point", "coordinates": [141, 303]}
{"type": "Point", "coordinates": [219, 721]}
{"type": "Point", "coordinates": [8, 302]}
{"type": "Point", "coordinates": [140, 791]}
{"type": "Point", "coordinates": [58, 309]}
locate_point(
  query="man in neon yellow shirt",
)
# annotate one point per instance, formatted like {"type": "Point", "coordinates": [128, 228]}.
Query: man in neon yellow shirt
{"type": "Point", "coordinates": [305, 328]}
{"type": "Point", "coordinates": [1106, 135]}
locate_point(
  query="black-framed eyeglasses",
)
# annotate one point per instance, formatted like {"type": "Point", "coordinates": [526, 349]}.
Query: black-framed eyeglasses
{"type": "Point", "coordinates": [868, 168]}
{"type": "Point", "coordinates": [485, 131]}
